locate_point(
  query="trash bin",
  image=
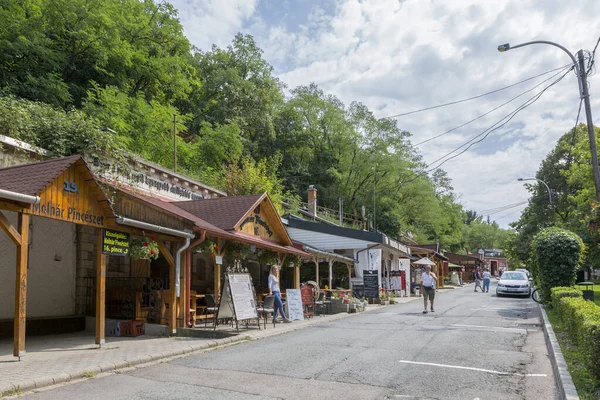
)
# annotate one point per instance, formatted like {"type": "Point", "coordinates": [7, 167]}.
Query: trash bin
{"type": "Point", "coordinates": [588, 290]}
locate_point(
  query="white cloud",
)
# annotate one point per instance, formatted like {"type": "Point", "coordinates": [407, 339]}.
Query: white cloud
{"type": "Point", "coordinates": [396, 56]}
{"type": "Point", "coordinates": [208, 22]}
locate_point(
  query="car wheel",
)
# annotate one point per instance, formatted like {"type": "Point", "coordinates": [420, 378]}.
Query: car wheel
{"type": "Point", "coordinates": [498, 294]}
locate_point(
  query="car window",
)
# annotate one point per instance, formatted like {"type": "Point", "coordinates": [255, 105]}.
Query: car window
{"type": "Point", "coordinates": [514, 276]}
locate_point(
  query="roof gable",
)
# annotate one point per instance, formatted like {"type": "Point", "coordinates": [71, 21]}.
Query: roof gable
{"type": "Point", "coordinates": [31, 179]}
{"type": "Point", "coordinates": [254, 215]}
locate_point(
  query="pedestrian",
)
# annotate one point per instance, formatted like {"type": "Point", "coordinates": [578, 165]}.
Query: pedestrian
{"type": "Point", "coordinates": [486, 280]}
{"type": "Point", "coordinates": [428, 280]}
{"type": "Point", "coordinates": [478, 280]}
{"type": "Point", "coordinates": [274, 290]}
{"type": "Point", "coordinates": [462, 271]}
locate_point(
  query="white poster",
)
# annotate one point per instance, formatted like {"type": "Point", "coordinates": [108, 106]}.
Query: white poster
{"type": "Point", "coordinates": [293, 302]}
{"type": "Point", "coordinates": [242, 296]}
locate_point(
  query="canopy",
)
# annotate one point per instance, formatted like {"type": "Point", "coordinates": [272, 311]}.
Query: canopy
{"type": "Point", "coordinates": [424, 261]}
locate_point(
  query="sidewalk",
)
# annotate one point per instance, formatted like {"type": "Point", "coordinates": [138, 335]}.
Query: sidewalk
{"type": "Point", "coordinates": [57, 359]}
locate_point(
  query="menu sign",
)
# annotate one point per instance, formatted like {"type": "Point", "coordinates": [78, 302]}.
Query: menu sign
{"type": "Point", "coordinates": [293, 299]}
{"type": "Point", "coordinates": [242, 296]}
{"type": "Point", "coordinates": [371, 284]}
{"type": "Point", "coordinates": [115, 243]}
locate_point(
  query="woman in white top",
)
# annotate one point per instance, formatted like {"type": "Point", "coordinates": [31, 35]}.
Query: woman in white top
{"type": "Point", "coordinates": [428, 280]}
{"type": "Point", "coordinates": [274, 290]}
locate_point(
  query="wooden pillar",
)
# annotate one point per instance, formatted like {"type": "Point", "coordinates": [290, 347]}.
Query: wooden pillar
{"type": "Point", "coordinates": [317, 271]}
{"type": "Point", "coordinates": [296, 277]}
{"type": "Point", "coordinates": [172, 294]}
{"type": "Point", "coordinates": [20, 317]}
{"type": "Point", "coordinates": [349, 276]}
{"type": "Point", "coordinates": [100, 289]}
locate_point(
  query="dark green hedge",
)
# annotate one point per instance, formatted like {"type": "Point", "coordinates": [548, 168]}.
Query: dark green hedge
{"type": "Point", "coordinates": [582, 319]}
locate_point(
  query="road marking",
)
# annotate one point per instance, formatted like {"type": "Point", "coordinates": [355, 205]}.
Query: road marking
{"type": "Point", "coordinates": [488, 371]}
{"type": "Point", "coordinates": [491, 328]}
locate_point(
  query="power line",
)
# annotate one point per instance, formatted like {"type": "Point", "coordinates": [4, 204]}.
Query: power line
{"type": "Point", "coordinates": [592, 59]}
{"type": "Point", "coordinates": [492, 110]}
{"type": "Point", "coordinates": [492, 128]}
{"type": "Point", "coordinates": [475, 97]}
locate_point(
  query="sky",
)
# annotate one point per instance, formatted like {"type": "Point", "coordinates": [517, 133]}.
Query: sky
{"type": "Point", "coordinates": [397, 56]}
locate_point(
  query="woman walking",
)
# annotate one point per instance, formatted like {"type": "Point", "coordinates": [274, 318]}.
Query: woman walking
{"type": "Point", "coordinates": [274, 290]}
{"type": "Point", "coordinates": [486, 280]}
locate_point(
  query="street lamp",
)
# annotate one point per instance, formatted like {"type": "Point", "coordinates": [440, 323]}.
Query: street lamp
{"type": "Point", "coordinates": [549, 193]}
{"type": "Point", "coordinates": [583, 94]}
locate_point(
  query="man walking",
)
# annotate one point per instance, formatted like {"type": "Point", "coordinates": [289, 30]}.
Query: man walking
{"type": "Point", "coordinates": [486, 280]}
{"type": "Point", "coordinates": [428, 279]}
{"type": "Point", "coordinates": [478, 280]}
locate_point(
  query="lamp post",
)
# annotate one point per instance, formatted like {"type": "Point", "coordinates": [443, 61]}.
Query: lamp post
{"type": "Point", "coordinates": [583, 94]}
{"type": "Point", "coordinates": [549, 193]}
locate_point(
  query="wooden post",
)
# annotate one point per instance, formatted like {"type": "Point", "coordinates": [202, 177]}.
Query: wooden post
{"type": "Point", "coordinates": [349, 276]}
{"type": "Point", "coordinates": [100, 289]}
{"type": "Point", "coordinates": [296, 277]}
{"type": "Point", "coordinates": [172, 294]}
{"type": "Point", "coordinates": [330, 274]}
{"type": "Point", "coordinates": [317, 271]}
{"type": "Point", "coordinates": [21, 287]}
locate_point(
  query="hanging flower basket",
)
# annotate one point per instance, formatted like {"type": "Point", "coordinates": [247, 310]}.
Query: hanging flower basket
{"type": "Point", "coordinates": [293, 260]}
{"type": "Point", "coordinates": [144, 249]}
{"type": "Point", "coordinates": [207, 247]}
{"type": "Point", "coordinates": [266, 257]}
{"type": "Point", "coordinates": [237, 252]}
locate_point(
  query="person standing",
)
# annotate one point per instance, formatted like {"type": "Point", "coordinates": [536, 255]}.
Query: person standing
{"type": "Point", "coordinates": [486, 280]}
{"type": "Point", "coordinates": [274, 290]}
{"type": "Point", "coordinates": [478, 280]}
{"type": "Point", "coordinates": [428, 280]}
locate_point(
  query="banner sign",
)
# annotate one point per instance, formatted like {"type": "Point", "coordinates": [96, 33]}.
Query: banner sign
{"type": "Point", "coordinates": [374, 259]}
{"type": "Point", "coordinates": [115, 243]}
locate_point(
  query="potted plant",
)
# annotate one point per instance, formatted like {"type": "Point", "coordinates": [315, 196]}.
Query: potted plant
{"type": "Point", "coordinates": [207, 247]}
{"type": "Point", "coordinates": [144, 249]}
{"type": "Point", "coordinates": [266, 257]}
{"type": "Point", "coordinates": [384, 298]}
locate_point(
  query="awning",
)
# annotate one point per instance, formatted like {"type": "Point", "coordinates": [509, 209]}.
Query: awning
{"type": "Point", "coordinates": [328, 254]}
{"type": "Point", "coordinates": [266, 244]}
{"type": "Point", "coordinates": [424, 261]}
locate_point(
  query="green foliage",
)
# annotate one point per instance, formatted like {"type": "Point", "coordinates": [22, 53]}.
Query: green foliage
{"type": "Point", "coordinates": [582, 320]}
{"type": "Point", "coordinates": [559, 292]}
{"type": "Point", "coordinates": [557, 254]}
{"type": "Point", "coordinates": [588, 386]}
{"type": "Point", "coordinates": [61, 132]}
{"type": "Point", "coordinates": [144, 249]}
{"type": "Point", "coordinates": [479, 234]}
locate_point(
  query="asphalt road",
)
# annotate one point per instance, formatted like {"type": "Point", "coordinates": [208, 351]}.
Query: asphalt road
{"type": "Point", "coordinates": [476, 346]}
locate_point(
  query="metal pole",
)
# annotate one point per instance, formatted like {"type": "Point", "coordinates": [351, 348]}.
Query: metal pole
{"type": "Point", "coordinates": [374, 205]}
{"type": "Point", "coordinates": [585, 94]}
{"type": "Point", "coordinates": [174, 142]}
{"type": "Point", "coordinates": [341, 211]}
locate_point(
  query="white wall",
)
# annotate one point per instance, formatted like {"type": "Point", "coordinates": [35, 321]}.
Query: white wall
{"type": "Point", "coordinates": [51, 283]}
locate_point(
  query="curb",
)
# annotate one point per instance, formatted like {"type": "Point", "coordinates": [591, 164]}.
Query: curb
{"type": "Point", "coordinates": [17, 389]}
{"type": "Point", "coordinates": [567, 390]}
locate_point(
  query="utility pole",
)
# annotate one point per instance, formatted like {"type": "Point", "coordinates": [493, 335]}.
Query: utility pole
{"type": "Point", "coordinates": [174, 142]}
{"type": "Point", "coordinates": [585, 94]}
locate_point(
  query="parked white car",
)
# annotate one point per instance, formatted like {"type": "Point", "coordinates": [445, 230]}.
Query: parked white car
{"type": "Point", "coordinates": [514, 283]}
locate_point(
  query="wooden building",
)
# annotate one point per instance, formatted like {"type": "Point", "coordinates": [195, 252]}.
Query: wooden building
{"type": "Point", "coordinates": [56, 213]}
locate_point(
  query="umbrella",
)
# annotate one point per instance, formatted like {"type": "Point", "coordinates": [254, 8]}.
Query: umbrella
{"type": "Point", "coordinates": [424, 261]}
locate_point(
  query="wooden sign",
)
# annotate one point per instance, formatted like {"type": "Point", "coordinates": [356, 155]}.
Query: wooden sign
{"type": "Point", "coordinates": [308, 300]}
{"type": "Point", "coordinates": [115, 243]}
{"type": "Point", "coordinates": [73, 197]}
{"type": "Point", "coordinates": [371, 284]}
{"type": "Point", "coordinates": [295, 310]}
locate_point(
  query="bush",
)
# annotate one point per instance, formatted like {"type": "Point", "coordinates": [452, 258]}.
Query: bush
{"type": "Point", "coordinates": [557, 254]}
{"type": "Point", "coordinates": [561, 291]}
{"type": "Point", "coordinates": [582, 320]}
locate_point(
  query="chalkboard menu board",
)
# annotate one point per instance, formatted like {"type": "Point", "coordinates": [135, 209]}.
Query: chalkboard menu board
{"type": "Point", "coordinates": [293, 300]}
{"type": "Point", "coordinates": [371, 284]}
{"type": "Point", "coordinates": [358, 290]}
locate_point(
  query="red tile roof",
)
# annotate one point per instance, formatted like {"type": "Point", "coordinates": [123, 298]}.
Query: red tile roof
{"type": "Point", "coordinates": [223, 212]}
{"type": "Point", "coordinates": [31, 179]}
